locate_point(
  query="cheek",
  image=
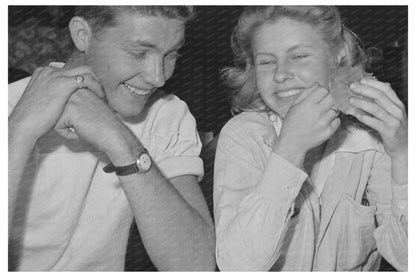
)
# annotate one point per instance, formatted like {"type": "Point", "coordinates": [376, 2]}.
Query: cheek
{"type": "Point", "coordinates": [315, 73]}
{"type": "Point", "coordinates": [324, 69]}
{"type": "Point", "coordinates": [322, 76]}
{"type": "Point", "coordinates": [264, 79]}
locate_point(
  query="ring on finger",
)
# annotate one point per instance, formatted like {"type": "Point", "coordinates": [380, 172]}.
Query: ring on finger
{"type": "Point", "coordinates": [79, 79]}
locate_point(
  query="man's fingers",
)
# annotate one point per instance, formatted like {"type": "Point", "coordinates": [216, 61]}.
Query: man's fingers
{"type": "Point", "coordinates": [82, 81]}
{"type": "Point", "coordinates": [62, 127]}
{"type": "Point", "coordinates": [35, 75]}
{"type": "Point", "coordinates": [67, 133]}
{"type": "Point", "coordinates": [81, 70]}
{"type": "Point", "coordinates": [88, 81]}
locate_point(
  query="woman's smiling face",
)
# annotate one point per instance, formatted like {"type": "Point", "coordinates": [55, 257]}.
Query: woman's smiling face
{"type": "Point", "coordinates": [289, 56]}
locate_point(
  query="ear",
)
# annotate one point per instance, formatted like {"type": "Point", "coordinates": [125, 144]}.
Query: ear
{"type": "Point", "coordinates": [81, 33]}
{"type": "Point", "coordinates": [341, 54]}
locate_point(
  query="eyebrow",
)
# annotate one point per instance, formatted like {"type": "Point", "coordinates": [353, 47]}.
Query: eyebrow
{"type": "Point", "coordinates": [142, 43]}
{"type": "Point", "coordinates": [263, 53]}
{"type": "Point", "coordinates": [300, 46]}
{"type": "Point", "coordinates": [295, 47]}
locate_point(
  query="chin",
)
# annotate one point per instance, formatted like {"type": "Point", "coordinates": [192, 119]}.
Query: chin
{"type": "Point", "coordinates": [128, 111]}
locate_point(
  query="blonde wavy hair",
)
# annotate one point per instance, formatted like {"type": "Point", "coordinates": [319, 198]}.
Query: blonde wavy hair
{"type": "Point", "coordinates": [326, 19]}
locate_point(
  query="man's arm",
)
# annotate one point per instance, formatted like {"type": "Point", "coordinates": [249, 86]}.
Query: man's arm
{"type": "Point", "coordinates": [175, 225]}
{"type": "Point", "coordinates": [172, 215]}
{"type": "Point", "coordinates": [36, 112]}
{"type": "Point", "coordinates": [20, 147]}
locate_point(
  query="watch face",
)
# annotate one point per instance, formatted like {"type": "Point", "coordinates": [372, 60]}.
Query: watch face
{"type": "Point", "coordinates": [144, 162]}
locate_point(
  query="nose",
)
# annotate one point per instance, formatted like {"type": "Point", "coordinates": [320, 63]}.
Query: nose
{"type": "Point", "coordinates": [155, 73]}
{"type": "Point", "coordinates": [283, 72]}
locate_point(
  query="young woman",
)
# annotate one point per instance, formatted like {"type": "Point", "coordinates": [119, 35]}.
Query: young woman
{"type": "Point", "coordinates": [299, 186]}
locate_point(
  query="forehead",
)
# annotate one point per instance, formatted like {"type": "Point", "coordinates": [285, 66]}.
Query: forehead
{"type": "Point", "coordinates": [286, 33]}
{"type": "Point", "coordinates": [133, 29]}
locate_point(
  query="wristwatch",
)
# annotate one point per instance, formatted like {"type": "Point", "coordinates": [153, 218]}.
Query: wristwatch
{"type": "Point", "coordinates": [142, 164]}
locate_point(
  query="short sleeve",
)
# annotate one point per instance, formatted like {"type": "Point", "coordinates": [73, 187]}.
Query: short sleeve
{"type": "Point", "coordinates": [174, 141]}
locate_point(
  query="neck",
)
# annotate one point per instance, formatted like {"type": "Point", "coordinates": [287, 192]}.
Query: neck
{"type": "Point", "coordinates": [76, 59]}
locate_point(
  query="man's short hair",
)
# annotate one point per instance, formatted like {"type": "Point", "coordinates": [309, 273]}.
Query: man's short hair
{"type": "Point", "coordinates": [102, 17]}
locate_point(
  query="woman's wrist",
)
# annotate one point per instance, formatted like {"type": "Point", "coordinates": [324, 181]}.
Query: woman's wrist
{"type": "Point", "coordinates": [290, 152]}
{"type": "Point", "coordinates": [399, 169]}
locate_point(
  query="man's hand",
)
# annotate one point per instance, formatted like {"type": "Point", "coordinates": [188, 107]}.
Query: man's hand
{"type": "Point", "coordinates": [88, 117]}
{"type": "Point", "coordinates": [46, 95]}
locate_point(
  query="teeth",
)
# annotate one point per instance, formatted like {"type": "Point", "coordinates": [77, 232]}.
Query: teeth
{"type": "Point", "coordinates": [290, 93]}
{"type": "Point", "coordinates": [136, 90]}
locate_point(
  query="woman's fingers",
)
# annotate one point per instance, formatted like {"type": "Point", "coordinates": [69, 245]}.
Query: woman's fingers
{"type": "Point", "coordinates": [379, 89]}
{"type": "Point", "coordinates": [374, 123]}
{"type": "Point", "coordinates": [382, 98]}
{"type": "Point", "coordinates": [373, 109]}
{"type": "Point", "coordinates": [327, 102]}
{"type": "Point", "coordinates": [307, 92]}
{"type": "Point", "coordinates": [335, 123]}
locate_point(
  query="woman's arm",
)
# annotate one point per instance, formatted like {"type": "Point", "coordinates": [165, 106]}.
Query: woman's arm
{"type": "Point", "coordinates": [388, 184]}
{"type": "Point", "coordinates": [390, 199]}
{"type": "Point", "coordinates": [252, 204]}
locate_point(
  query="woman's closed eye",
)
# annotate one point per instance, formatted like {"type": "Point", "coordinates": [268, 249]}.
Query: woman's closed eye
{"type": "Point", "coordinates": [300, 57]}
{"type": "Point", "coordinates": [265, 62]}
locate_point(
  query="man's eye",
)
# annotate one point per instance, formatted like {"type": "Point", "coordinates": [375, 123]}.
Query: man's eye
{"type": "Point", "coordinates": [139, 54]}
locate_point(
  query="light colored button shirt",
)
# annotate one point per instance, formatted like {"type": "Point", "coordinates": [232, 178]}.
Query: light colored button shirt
{"type": "Point", "coordinates": [270, 215]}
{"type": "Point", "coordinates": [72, 215]}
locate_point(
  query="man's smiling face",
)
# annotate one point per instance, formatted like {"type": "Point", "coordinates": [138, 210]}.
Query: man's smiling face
{"type": "Point", "coordinates": [134, 58]}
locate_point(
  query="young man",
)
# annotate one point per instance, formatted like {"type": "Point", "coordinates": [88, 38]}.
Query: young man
{"type": "Point", "coordinates": [93, 142]}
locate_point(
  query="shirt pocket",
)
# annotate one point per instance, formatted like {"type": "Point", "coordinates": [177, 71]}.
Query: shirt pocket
{"type": "Point", "coordinates": [357, 245]}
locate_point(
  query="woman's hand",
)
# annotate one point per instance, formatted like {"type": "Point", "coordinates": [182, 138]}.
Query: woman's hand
{"type": "Point", "coordinates": [46, 95]}
{"type": "Point", "coordinates": [387, 114]}
{"type": "Point", "coordinates": [388, 117]}
{"type": "Point", "coordinates": [310, 121]}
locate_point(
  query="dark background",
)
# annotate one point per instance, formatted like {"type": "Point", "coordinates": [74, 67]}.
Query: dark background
{"type": "Point", "coordinates": [39, 35]}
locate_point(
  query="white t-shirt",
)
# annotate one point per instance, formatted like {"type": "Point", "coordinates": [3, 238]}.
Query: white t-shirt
{"type": "Point", "coordinates": [77, 216]}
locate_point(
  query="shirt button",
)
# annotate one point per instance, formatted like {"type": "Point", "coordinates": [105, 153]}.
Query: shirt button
{"type": "Point", "coordinates": [402, 204]}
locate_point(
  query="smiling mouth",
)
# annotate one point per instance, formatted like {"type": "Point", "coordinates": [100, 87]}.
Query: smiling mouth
{"type": "Point", "coordinates": [136, 90]}
{"type": "Point", "coordinates": [290, 93]}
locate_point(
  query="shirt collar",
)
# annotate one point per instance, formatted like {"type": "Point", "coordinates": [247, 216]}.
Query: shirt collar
{"type": "Point", "coordinates": [274, 129]}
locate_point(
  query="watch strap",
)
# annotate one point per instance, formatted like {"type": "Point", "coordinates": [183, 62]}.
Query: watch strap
{"type": "Point", "coordinates": [124, 170]}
